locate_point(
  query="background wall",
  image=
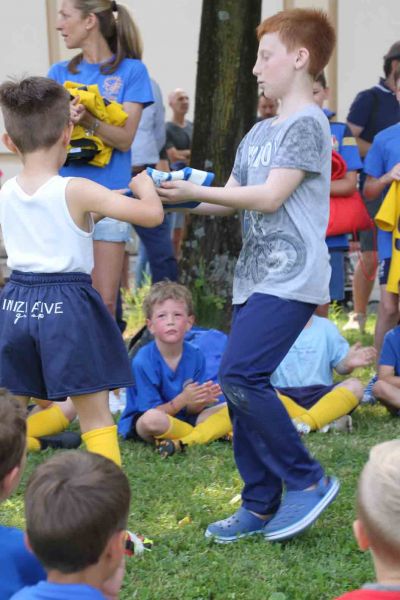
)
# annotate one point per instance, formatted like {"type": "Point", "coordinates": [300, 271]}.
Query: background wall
{"type": "Point", "coordinates": [170, 29]}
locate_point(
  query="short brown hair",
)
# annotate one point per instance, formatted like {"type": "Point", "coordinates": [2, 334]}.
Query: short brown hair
{"type": "Point", "coordinates": [35, 111]}
{"type": "Point", "coordinates": [167, 290]}
{"type": "Point", "coordinates": [74, 503]}
{"type": "Point", "coordinates": [12, 433]}
{"type": "Point", "coordinates": [309, 28]}
{"type": "Point", "coordinates": [378, 499]}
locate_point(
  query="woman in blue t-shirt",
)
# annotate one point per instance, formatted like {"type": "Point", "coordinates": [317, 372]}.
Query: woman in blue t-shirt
{"type": "Point", "coordinates": [111, 49]}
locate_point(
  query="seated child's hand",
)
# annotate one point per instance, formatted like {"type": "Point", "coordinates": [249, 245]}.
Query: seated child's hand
{"type": "Point", "coordinates": [177, 191]}
{"type": "Point", "coordinates": [361, 357]}
{"type": "Point", "coordinates": [200, 396]}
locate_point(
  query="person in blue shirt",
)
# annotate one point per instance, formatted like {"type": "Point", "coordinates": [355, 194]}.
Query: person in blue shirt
{"type": "Point", "coordinates": [372, 111]}
{"type": "Point", "coordinates": [382, 167]}
{"type": "Point", "coordinates": [171, 402]}
{"type": "Point", "coordinates": [18, 566]}
{"type": "Point", "coordinates": [77, 506]}
{"type": "Point", "coordinates": [110, 55]}
{"type": "Point", "coordinates": [387, 387]}
{"type": "Point", "coordinates": [344, 143]}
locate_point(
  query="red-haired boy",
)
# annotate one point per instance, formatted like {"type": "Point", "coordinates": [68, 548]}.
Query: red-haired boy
{"type": "Point", "coordinates": [281, 179]}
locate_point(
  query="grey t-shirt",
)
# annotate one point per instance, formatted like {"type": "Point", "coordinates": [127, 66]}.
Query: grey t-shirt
{"type": "Point", "coordinates": [284, 253]}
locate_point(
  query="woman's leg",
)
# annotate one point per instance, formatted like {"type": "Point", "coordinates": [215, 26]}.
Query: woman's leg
{"type": "Point", "coordinates": [106, 275]}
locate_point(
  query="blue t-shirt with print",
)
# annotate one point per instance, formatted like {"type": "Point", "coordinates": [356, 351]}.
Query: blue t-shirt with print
{"type": "Point", "coordinates": [390, 353]}
{"type": "Point", "coordinates": [317, 350]}
{"type": "Point", "coordinates": [46, 590]}
{"type": "Point", "coordinates": [18, 566]}
{"type": "Point", "coordinates": [156, 383]}
{"type": "Point", "coordinates": [129, 83]}
{"type": "Point", "coordinates": [345, 144]}
{"type": "Point", "coordinates": [382, 156]}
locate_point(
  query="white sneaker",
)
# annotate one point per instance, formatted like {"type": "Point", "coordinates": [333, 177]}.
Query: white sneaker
{"type": "Point", "coordinates": [355, 321]}
{"type": "Point", "coordinates": [301, 428]}
{"type": "Point", "coordinates": [342, 424]}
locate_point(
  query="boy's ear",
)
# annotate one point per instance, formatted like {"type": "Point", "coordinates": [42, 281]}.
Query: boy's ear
{"type": "Point", "coordinates": [27, 543]}
{"type": "Point", "coordinates": [190, 322]}
{"type": "Point", "coordinates": [149, 325]}
{"type": "Point", "coordinates": [361, 535]}
{"type": "Point", "coordinates": [10, 481]}
{"type": "Point", "coordinates": [66, 135]}
{"type": "Point", "coordinates": [9, 144]}
{"type": "Point", "coordinates": [302, 58]}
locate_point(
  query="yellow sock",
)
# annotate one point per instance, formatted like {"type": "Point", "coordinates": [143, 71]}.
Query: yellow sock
{"type": "Point", "coordinates": [212, 428]}
{"type": "Point", "coordinates": [338, 402]}
{"type": "Point", "coordinates": [46, 422]}
{"type": "Point", "coordinates": [177, 429]}
{"type": "Point", "coordinates": [104, 441]}
{"type": "Point", "coordinates": [33, 445]}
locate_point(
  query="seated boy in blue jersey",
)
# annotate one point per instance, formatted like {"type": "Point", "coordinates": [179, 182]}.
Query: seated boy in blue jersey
{"type": "Point", "coordinates": [18, 566]}
{"type": "Point", "coordinates": [387, 387]}
{"type": "Point", "coordinates": [345, 144]}
{"type": "Point", "coordinates": [304, 378]}
{"type": "Point", "coordinates": [76, 507]}
{"type": "Point", "coordinates": [171, 403]}
{"type": "Point", "coordinates": [57, 338]}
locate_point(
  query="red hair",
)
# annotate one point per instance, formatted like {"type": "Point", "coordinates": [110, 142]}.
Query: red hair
{"type": "Point", "coordinates": [308, 28]}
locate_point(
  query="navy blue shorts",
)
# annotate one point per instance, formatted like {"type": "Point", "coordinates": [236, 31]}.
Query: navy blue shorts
{"type": "Point", "coordinates": [57, 338]}
{"type": "Point", "coordinates": [383, 270]}
{"type": "Point", "coordinates": [336, 283]}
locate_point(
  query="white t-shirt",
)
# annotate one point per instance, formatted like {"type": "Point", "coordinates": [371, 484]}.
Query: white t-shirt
{"type": "Point", "coordinates": [39, 233]}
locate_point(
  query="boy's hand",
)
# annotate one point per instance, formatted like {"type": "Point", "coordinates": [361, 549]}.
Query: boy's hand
{"type": "Point", "coordinates": [393, 174]}
{"type": "Point", "coordinates": [177, 191]}
{"type": "Point", "coordinates": [359, 356]}
{"type": "Point", "coordinates": [200, 396]}
{"type": "Point", "coordinates": [142, 185]}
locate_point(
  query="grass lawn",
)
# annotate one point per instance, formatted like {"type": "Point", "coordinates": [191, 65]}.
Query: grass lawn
{"type": "Point", "coordinates": [201, 485]}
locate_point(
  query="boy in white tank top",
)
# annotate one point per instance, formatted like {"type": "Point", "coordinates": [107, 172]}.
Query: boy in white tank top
{"type": "Point", "coordinates": [57, 338]}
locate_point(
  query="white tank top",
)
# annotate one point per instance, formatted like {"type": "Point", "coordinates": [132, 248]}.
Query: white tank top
{"type": "Point", "coordinates": [39, 233]}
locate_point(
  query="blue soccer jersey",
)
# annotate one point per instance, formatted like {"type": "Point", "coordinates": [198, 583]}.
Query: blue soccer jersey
{"type": "Point", "coordinates": [156, 383]}
{"type": "Point", "coordinates": [59, 591]}
{"type": "Point", "coordinates": [390, 353]}
{"type": "Point", "coordinates": [382, 156]}
{"type": "Point", "coordinates": [18, 566]}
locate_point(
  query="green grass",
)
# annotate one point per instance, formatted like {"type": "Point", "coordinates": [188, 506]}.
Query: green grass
{"type": "Point", "coordinates": [321, 564]}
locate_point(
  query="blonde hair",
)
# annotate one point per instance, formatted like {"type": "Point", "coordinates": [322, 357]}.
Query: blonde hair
{"type": "Point", "coordinates": [378, 499]}
{"type": "Point", "coordinates": [121, 32]}
{"type": "Point", "coordinates": [167, 290]}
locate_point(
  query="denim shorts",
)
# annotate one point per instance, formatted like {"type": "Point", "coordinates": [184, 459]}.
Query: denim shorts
{"type": "Point", "coordinates": [111, 230]}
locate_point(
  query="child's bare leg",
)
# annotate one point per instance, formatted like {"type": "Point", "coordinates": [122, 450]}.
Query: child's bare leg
{"type": "Point", "coordinates": [153, 424]}
{"type": "Point", "coordinates": [97, 425]}
{"type": "Point", "coordinates": [388, 394]}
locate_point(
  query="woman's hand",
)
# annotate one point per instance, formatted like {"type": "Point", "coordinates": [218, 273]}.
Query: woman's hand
{"type": "Point", "coordinates": [76, 109]}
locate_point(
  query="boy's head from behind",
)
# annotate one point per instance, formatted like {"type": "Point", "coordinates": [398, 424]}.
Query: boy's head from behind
{"type": "Point", "coordinates": [12, 442]}
{"type": "Point", "coordinates": [168, 308]}
{"type": "Point", "coordinates": [379, 503]}
{"type": "Point", "coordinates": [35, 111]}
{"type": "Point", "coordinates": [297, 39]}
{"type": "Point", "coordinates": [76, 505]}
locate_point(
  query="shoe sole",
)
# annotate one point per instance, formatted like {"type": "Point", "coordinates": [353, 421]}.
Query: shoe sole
{"type": "Point", "coordinates": [297, 528]}
{"type": "Point", "coordinates": [228, 540]}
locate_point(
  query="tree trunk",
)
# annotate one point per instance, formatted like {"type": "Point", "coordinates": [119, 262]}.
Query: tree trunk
{"type": "Point", "coordinates": [225, 109]}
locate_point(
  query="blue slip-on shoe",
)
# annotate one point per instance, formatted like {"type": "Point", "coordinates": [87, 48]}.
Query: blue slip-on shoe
{"type": "Point", "coordinates": [368, 396]}
{"type": "Point", "coordinates": [241, 524]}
{"type": "Point", "coordinates": [299, 510]}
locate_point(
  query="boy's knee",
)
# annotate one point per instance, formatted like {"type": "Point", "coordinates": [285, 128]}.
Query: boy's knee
{"type": "Point", "coordinates": [152, 422]}
{"type": "Point", "coordinates": [355, 386]}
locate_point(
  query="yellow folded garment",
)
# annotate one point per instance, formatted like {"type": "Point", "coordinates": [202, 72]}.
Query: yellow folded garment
{"type": "Point", "coordinates": [387, 219]}
{"type": "Point", "coordinates": [107, 111]}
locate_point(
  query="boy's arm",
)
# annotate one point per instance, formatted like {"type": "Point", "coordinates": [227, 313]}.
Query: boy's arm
{"type": "Point", "coordinates": [386, 373]}
{"type": "Point", "coordinates": [265, 198]}
{"type": "Point", "coordinates": [356, 357]}
{"type": "Point", "coordinates": [85, 196]}
{"type": "Point", "coordinates": [208, 209]}
{"type": "Point", "coordinates": [374, 187]}
{"type": "Point", "coordinates": [345, 186]}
